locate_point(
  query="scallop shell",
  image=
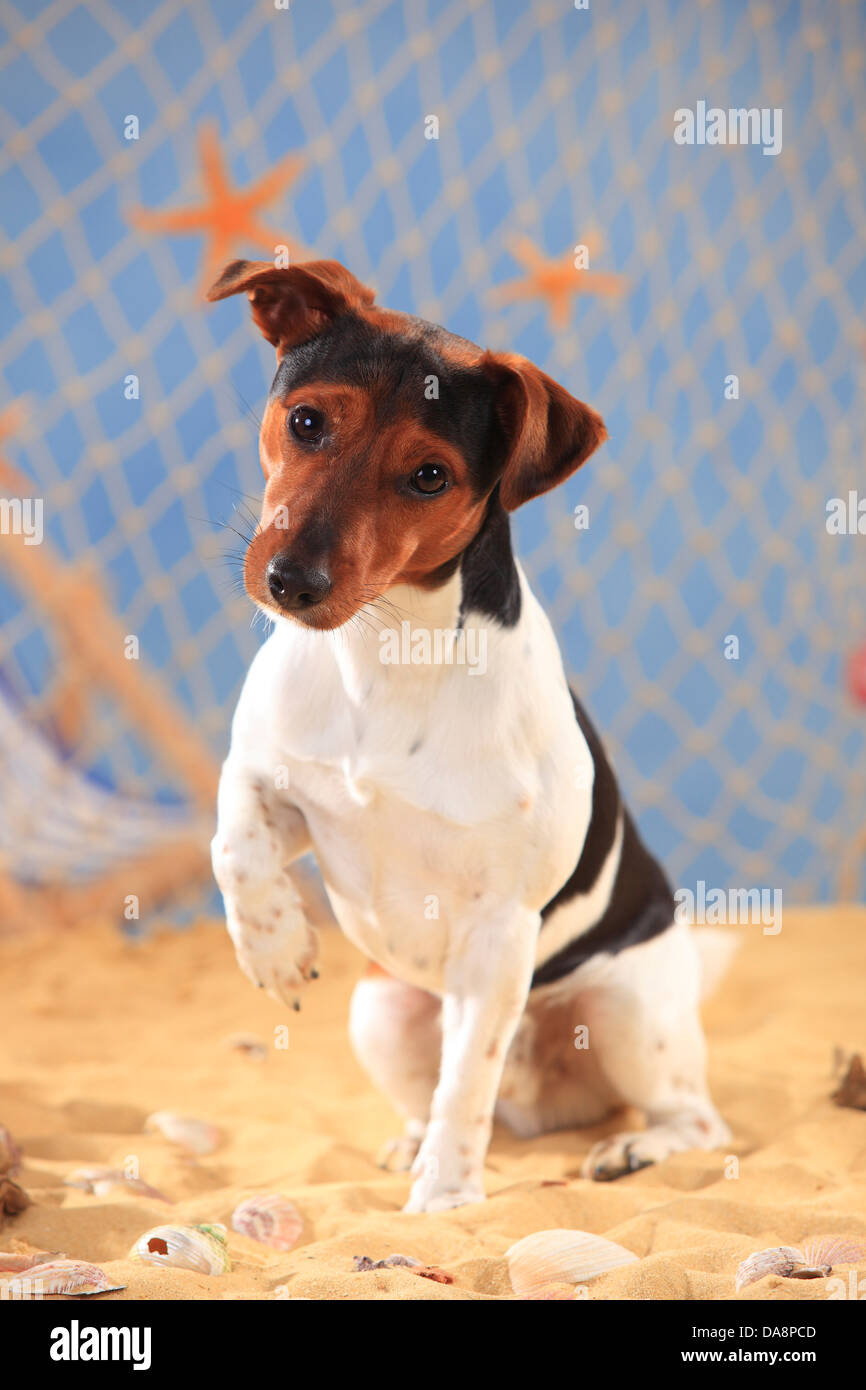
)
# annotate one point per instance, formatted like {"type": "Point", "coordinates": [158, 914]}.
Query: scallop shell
{"type": "Point", "coordinates": [202, 1248]}
{"type": "Point", "coordinates": [10, 1152]}
{"type": "Point", "coordinates": [58, 1276]}
{"type": "Point", "coordinates": [826, 1251]}
{"type": "Point", "coordinates": [562, 1257]}
{"type": "Point", "coordinates": [196, 1136]}
{"type": "Point", "coordinates": [271, 1219]}
{"type": "Point", "coordinates": [780, 1259]}
{"type": "Point", "coordinates": [814, 1261]}
{"type": "Point", "coordinates": [100, 1181]}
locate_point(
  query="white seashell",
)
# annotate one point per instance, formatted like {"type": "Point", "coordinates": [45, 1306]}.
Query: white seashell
{"type": "Point", "coordinates": [196, 1136]}
{"type": "Point", "coordinates": [202, 1248]}
{"type": "Point", "coordinates": [562, 1257]}
{"type": "Point", "coordinates": [58, 1276]}
{"type": "Point", "coordinates": [774, 1261]}
{"type": "Point", "coordinates": [814, 1261]}
{"type": "Point", "coordinates": [271, 1219]}
{"type": "Point", "coordinates": [100, 1181]}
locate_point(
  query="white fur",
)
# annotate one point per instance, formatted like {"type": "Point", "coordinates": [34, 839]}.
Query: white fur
{"type": "Point", "coordinates": [437, 863]}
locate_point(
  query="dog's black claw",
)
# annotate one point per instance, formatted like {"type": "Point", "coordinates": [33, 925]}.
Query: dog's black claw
{"type": "Point", "coordinates": [314, 974]}
{"type": "Point", "coordinates": [606, 1174]}
{"type": "Point", "coordinates": [634, 1162]}
{"type": "Point", "coordinates": [297, 1006]}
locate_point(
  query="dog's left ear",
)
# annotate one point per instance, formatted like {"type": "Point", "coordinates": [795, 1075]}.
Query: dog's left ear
{"type": "Point", "coordinates": [547, 433]}
{"type": "Point", "coordinates": [293, 303]}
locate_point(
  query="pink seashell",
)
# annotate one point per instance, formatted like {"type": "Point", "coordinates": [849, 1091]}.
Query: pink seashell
{"type": "Point", "coordinates": [826, 1251]}
{"type": "Point", "coordinates": [196, 1136]}
{"type": "Point", "coordinates": [270, 1219]}
{"type": "Point", "coordinates": [58, 1276]}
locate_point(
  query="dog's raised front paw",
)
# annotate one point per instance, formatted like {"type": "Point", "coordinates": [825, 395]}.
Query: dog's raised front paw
{"type": "Point", "coordinates": [275, 948]}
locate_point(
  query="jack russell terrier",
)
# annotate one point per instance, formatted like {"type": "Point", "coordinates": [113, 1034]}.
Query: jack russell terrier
{"type": "Point", "coordinates": [467, 824]}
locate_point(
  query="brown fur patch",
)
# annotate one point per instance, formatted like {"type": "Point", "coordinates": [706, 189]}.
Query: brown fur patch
{"type": "Point", "coordinates": [344, 505]}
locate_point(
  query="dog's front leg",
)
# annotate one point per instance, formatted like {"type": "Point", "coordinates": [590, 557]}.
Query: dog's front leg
{"type": "Point", "coordinates": [259, 834]}
{"type": "Point", "coordinates": [487, 981]}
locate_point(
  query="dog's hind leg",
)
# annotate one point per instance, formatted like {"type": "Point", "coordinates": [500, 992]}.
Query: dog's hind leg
{"type": "Point", "coordinates": [396, 1034]}
{"type": "Point", "coordinates": [550, 1080]}
{"type": "Point", "coordinates": [646, 1034]}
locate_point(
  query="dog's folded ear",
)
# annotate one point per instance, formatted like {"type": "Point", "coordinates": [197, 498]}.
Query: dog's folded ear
{"type": "Point", "coordinates": [293, 304]}
{"type": "Point", "coordinates": [546, 434]}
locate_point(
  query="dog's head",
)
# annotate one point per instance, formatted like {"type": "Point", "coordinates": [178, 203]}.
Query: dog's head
{"type": "Point", "coordinates": [382, 441]}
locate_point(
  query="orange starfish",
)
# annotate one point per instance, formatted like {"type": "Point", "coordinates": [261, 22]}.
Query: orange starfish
{"type": "Point", "coordinates": [228, 216]}
{"type": "Point", "coordinates": [557, 281]}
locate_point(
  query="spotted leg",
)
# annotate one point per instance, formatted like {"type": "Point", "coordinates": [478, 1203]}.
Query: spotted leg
{"type": "Point", "coordinates": [259, 834]}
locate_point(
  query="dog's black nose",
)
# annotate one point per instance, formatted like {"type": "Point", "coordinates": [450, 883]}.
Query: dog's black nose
{"type": "Point", "coordinates": [296, 587]}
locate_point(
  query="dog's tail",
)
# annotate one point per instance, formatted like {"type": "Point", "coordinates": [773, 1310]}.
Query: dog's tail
{"type": "Point", "coordinates": [717, 947]}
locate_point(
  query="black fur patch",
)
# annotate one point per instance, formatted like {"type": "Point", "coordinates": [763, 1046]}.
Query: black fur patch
{"type": "Point", "coordinates": [491, 584]}
{"type": "Point", "coordinates": [641, 904]}
{"type": "Point", "coordinates": [603, 820]}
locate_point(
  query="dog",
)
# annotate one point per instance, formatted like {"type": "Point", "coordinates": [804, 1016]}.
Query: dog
{"type": "Point", "coordinates": [526, 960]}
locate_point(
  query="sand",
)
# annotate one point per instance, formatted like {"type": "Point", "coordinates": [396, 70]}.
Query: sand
{"type": "Point", "coordinates": [97, 1032]}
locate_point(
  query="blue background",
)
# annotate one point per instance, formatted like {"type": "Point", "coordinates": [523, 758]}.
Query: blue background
{"type": "Point", "coordinates": [707, 515]}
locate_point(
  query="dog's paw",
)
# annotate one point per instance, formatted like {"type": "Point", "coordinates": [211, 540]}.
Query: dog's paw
{"type": "Point", "coordinates": [616, 1157]}
{"type": "Point", "coordinates": [444, 1200]}
{"type": "Point", "coordinates": [276, 948]}
{"type": "Point", "coordinates": [626, 1153]}
{"type": "Point", "coordinates": [399, 1154]}
{"type": "Point", "coordinates": [447, 1173]}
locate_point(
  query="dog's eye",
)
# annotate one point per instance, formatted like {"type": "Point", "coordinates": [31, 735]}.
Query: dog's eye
{"type": "Point", "coordinates": [429, 478]}
{"type": "Point", "coordinates": [306, 423]}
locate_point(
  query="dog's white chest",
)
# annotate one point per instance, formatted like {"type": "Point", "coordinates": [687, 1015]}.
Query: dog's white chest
{"type": "Point", "coordinates": [432, 798]}
{"type": "Point", "coordinates": [408, 855]}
